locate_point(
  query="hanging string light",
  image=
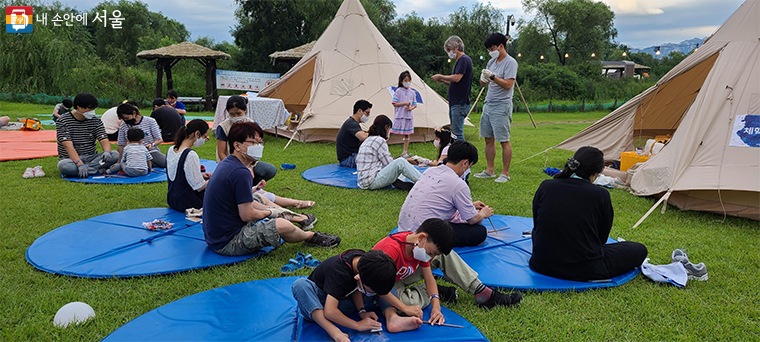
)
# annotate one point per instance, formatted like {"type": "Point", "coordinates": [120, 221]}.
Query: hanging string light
{"type": "Point", "coordinates": [542, 57]}
{"type": "Point", "coordinates": [593, 55]}
{"type": "Point", "coordinates": [519, 55]}
{"type": "Point", "coordinates": [567, 55]}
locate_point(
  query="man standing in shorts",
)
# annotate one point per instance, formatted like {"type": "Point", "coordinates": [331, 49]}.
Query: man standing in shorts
{"type": "Point", "coordinates": [499, 75]}
{"type": "Point", "coordinates": [459, 82]}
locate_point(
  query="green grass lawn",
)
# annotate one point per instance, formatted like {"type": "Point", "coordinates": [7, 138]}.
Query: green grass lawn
{"type": "Point", "coordinates": [726, 307]}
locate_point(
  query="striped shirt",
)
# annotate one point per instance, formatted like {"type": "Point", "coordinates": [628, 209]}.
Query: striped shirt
{"type": "Point", "coordinates": [83, 134]}
{"type": "Point", "coordinates": [373, 156]}
{"type": "Point", "coordinates": [147, 125]}
{"type": "Point", "coordinates": [136, 156]}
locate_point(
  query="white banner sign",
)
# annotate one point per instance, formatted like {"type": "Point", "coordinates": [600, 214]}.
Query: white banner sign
{"type": "Point", "coordinates": [244, 81]}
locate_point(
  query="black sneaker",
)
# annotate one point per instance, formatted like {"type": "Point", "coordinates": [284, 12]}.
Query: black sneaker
{"type": "Point", "coordinates": [401, 185]}
{"type": "Point", "coordinates": [308, 223]}
{"type": "Point", "coordinates": [322, 240]}
{"type": "Point", "coordinates": [448, 293]}
{"type": "Point", "coordinates": [498, 298]}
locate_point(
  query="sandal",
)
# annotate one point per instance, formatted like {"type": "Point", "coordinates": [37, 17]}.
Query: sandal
{"type": "Point", "coordinates": [292, 266]}
{"type": "Point", "coordinates": [308, 260]}
{"type": "Point", "coordinates": [305, 204]}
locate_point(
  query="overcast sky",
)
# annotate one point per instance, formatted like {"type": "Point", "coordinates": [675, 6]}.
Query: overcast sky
{"type": "Point", "coordinates": [640, 23]}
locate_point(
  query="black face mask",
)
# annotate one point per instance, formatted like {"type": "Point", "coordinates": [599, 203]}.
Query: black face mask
{"type": "Point", "coordinates": [130, 121]}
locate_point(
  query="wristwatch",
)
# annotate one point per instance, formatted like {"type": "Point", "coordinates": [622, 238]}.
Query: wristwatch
{"type": "Point", "coordinates": [492, 77]}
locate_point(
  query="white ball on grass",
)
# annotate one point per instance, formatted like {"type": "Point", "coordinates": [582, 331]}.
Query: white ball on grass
{"type": "Point", "coordinates": [74, 312]}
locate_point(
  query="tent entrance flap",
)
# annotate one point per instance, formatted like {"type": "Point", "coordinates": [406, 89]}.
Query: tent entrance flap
{"type": "Point", "coordinates": [295, 91]}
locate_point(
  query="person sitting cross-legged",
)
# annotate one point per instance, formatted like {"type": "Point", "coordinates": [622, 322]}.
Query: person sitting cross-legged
{"type": "Point", "coordinates": [442, 193]}
{"type": "Point", "coordinates": [234, 218]}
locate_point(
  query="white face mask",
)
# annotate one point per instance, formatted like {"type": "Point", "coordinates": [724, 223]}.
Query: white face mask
{"type": "Point", "coordinates": [199, 142]}
{"type": "Point", "coordinates": [236, 119]}
{"type": "Point", "coordinates": [452, 55]}
{"type": "Point", "coordinates": [364, 118]}
{"type": "Point", "coordinates": [89, 115]}
{"type": "Point", "coordinates": [361, 289]}
{"type": "Point", "coordinates": [420, 254]}
{"type": "Point", "coordinates": [437, 143]}
{"type": "Point", "coordinates": [255, 151]}
{"type": "Point", "coordinates": [494, 53]}
{"type": "Point", "coordinates": [407, 84]}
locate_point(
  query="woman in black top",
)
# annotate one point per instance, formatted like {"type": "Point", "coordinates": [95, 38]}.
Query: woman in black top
{"type": "Point", "coordinates": [572, 219]}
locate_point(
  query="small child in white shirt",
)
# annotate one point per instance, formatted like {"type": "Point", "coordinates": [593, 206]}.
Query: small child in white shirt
{"type": "Point", "coordinates": [137, 161]}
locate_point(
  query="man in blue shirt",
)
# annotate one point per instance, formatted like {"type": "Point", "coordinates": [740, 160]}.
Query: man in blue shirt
{"type": "Point", "coordinates": [460, 84]}
{"type": "Point", "coordinates": [235, 220]}
{"type": "Point", "coordinates": [171, 101]}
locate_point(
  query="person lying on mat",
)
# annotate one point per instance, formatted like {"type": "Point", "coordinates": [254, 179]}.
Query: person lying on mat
{"type": "Point", "coordinates": [341, 285]}
{"type": "Point", "coordinates": [187, 184]}
{"type": "Point", "coordinates": [376, 168]}
{"type": "Point", "coordinates": [441, 193]}
{"type": "Point", "coordinates": [572, 219]}
{"type": "Point", "coordinates": [415, 255]}
{"type": "Point", "coordinates": [77, 133]}
{"type": "Point", "coordinates": [237, 109]}
{"type": "Point", "coordinates": [133, 119]}
{"type": "Point", "coordinates": [233, 216]}
{"type": "Point", "coordinates": [350, 136]}
{"type": "Point", "coordinates": [136, 160]}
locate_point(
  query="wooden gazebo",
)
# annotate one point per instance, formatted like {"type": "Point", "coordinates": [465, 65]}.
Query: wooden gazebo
{"type": "Point", "coordinates": [294, 55]}
{"type": "Point", "coordinates": [169, 56]}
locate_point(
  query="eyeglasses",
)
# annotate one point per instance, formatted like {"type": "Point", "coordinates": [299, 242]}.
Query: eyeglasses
{"type": "Point", "coordinates": [364, 289]}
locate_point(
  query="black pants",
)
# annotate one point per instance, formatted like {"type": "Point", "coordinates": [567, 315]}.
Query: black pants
{"type": "Point", "coordinates": [466, 235]}
{"type": "Point", "coordinates": [113, 136]}
{"type": "Point", "coordinates": [622, 257]}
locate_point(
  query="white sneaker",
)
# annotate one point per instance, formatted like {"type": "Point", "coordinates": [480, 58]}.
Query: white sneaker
{"type": "Point", "coordinates": [29, 173]}
{"type": "Point", "coordinates": [38, 171]}
{"type": "Point", "coordinates": [502, 179]}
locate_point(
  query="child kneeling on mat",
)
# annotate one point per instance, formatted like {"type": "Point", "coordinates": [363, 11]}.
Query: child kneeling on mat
{"type": "Point", "coordinates": [137, 161]}
{"type": "Point", "coordinates": [416, 254]}
{"type": "Point", "coordinates": [342, 285]}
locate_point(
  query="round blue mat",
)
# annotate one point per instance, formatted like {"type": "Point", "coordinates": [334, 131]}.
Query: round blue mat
{"type": "Point", "coordinates": [158, 175]}
{"type": "Point", "coordinates": [263, 310]}
{"type": "Point", "coordinates": [336, 175]}
{"type": "Point", "coordinates": [502, 260]}
{"type": "Point", "coordinates": [117, 245]}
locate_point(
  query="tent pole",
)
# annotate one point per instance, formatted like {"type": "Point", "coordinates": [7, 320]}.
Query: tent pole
{"type": "Point", "coordinates": [663, 198]}
{"type": "Point", "coordinates": [526, 104]}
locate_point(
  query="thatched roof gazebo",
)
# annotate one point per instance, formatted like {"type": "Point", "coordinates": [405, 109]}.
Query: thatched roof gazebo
{"type": "Point", "coordinates": [295, 54]}
{"type": "Point", "coordinates": [169, 56]}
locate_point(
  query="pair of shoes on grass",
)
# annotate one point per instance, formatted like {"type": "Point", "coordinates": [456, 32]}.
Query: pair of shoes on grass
{"type": "Point", "coordinates": [694, 272]}
{"type": "Point", "coordinates": [32, 172]}
{"type": "Point", "coordinates": [300, 261]}
{"type": "Point", "coordinates": [449, 294]}
{"type": "Point", "coordinates": [501, 179]}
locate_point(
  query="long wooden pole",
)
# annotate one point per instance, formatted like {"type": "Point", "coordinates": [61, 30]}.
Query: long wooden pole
{"type": "Point", "coordinates": [526, 104]}
{"type": "Point", "coordinates": [476, 101]}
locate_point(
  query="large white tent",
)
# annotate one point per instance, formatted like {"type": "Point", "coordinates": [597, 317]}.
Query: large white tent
{"type": "Point", "coordinates": [350, 61]}
{"type": "Point", "coordinates": [710, 103]}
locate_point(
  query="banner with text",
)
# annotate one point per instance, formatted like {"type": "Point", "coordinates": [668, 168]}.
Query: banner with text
{"type": "Point", "coordinates": [244, 81]}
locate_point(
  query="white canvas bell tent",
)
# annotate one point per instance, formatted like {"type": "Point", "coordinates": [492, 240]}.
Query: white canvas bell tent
{"type": "Point", "coordinates": [350, 61]}
{"type": "Point", "coordinates": [710, 103]}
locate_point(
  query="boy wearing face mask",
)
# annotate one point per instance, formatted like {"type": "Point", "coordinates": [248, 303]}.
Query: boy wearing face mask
{"type": "Point", "coordinates": [342, 285]}
{"type": "Point", "coordinates": [237, 108]}
{"type": "Point", "coordinates": [416, 254]}
{"type": "Point", "coordinates": [77, 133]}
{"type": "Point", "coordinates": [350, 136]}
{"type": "Point", "coordinates": [233, 216]}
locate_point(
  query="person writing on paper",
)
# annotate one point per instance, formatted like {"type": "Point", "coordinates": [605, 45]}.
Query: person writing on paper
{"type": "Point", "coordinates": [499, 75]}
{"type": "Point", "coordinates": [77, 133]}
{"type": "Point", "coordinates": [442, 193]}
{"type": "Point", "coordinates": [572, 219]}
{"type": "Point", "coordinates": [374, 164]}
{"type": "Point", "coordinates": [350, 136]}
{"type": "Point", "coordinates": [237, 108]}
{"type": "Point", "coordinates": [460, 84]}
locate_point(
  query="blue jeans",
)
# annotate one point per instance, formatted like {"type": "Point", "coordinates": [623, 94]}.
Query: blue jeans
{"type": "Point", "coordinates": [69, 169]}
{"type": "Point", "coordinates": [263, 171]}
{"type": "Point", "coordinates": [310, 297]}
{"type": "Point", "coordinates": [349, 162]}
{"type": "Point", "coordinates": [390, 173]}
{"type": "Point", "coordinates": [457, 114]}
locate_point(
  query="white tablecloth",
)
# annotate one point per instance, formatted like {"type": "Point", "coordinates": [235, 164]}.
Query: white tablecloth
{"type": "Point", "coordinates": [266, 112]}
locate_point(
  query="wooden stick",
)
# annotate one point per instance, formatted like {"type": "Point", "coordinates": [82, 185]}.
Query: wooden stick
{"type": "Point", "coordinates": [476, 101]}
{"type": "Point", "coordinates": [500, 229]}
{"type": "Point", "coordinates": [492, 226]}
{"type": "Point", "coordinates": [444, 325]}
{"type": "Point", "coordinates": [526, 104]}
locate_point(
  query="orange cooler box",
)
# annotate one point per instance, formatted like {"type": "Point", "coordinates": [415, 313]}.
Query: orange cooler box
{"type": "Point", "coordinates": [627, 159]}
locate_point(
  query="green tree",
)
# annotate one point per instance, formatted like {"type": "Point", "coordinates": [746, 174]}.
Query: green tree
{"type": "Point", "coordinates": [573, 28]}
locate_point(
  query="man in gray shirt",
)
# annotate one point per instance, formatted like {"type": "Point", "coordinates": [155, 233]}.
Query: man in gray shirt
{"type": "Point", "coordinates": [499, 75]}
